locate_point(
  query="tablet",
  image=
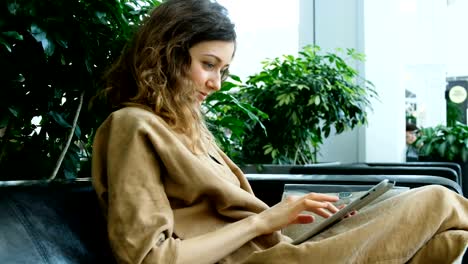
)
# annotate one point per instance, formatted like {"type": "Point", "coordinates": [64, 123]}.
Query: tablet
{"type": "Point", "coordinates": [357, 204]}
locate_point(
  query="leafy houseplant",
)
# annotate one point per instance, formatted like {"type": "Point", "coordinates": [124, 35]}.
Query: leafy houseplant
{"type": "Point", "coordinates": [304, 97]}
{"type": "Point", "coordinates": [444, 143]}
{"type": "Point", "coordinates": [51, 55]}
{"type": "Point", "coordinates": [226, 115]}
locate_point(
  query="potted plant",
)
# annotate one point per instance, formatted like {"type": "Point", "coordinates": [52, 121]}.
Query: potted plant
{"type": "Point", "coordinates": [52, 54]}
{"type": "Point", "coordinates": [304, 97]}
{"type": "Point", "coordinates": [446, 143]}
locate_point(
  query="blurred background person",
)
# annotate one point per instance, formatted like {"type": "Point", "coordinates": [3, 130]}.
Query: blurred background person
{"type": "Point", "coordinates": [412, 151]}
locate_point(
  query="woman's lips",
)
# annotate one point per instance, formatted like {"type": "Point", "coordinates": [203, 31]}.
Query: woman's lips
{"type": "Point", "coordinates": [202, 96]}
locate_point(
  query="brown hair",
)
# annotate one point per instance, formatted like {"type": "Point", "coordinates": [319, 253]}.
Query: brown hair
{"type": "Point", "coordinates": [411, 127]}
{"type": "Point", "coordinates": [152, 68]}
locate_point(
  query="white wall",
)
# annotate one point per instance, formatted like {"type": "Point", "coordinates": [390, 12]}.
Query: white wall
{"type": "Point", "coordinates": [265, 29]}
{"type": "Point", "coordinates": [405, 44]}
{"type": "Point", "coordinates": [306, 23]}
{"type": "Point", "coordinates": [457, 38]}
{"type": "Point", "coordinates": [422, 26]}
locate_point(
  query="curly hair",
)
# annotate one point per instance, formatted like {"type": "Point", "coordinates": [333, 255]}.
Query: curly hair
{"type": "Point", "coordinates": [152, 69]}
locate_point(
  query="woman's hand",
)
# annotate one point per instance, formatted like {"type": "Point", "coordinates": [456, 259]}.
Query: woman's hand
{"type": "Point", "coordinates": [289, 211]}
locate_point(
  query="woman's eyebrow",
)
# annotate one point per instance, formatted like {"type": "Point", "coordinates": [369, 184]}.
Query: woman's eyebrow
{"type": "Point", "coordinates": [218, 59]}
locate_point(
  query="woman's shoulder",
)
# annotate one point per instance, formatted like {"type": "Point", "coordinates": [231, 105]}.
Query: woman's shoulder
{"type": "Point", "coordinates": [134, 111]}
{"type": "Point", "coordinates": [137, 112]}
{"type": "Point", "coordinates": [134, 116]}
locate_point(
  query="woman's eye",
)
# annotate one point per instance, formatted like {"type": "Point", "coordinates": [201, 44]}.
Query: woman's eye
{"type": "Point", "coordinates": [209, 65]}
{"type": "Point", "coordinates": [224, 74]}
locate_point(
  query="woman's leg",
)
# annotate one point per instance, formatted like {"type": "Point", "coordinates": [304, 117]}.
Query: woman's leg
{"type": "Point", "coordinates": [392, 231]}
{"type": "Point", "coordinates": [439, 248]}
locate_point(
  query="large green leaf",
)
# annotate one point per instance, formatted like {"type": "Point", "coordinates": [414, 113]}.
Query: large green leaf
{"type": "Point", "coordinates": [59, 119]}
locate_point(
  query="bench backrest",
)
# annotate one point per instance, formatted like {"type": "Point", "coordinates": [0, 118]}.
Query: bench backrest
{"type": "Point", "coordinates": [54, 223]}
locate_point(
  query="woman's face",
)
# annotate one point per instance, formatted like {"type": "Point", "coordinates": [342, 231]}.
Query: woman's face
{"type": "Point", "coordinates": [210, 63]}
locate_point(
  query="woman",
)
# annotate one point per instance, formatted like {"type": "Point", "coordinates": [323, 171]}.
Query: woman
{"type": "Point", "coordinates": [170, 195]}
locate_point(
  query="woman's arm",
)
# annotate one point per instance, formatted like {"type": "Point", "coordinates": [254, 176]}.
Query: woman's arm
{"type": "Point", "coordinates": [212, 247]}
{"type": "Point", "coordinates": [127, 178]}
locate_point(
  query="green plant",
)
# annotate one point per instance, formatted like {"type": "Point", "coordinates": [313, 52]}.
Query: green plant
{"type": "Point", "coordinates": [304, 97]}
{"type": "Point", "coordinates": [52, 54]}
{"type": "Point", "coordinates": [229, 118]}
{"type": "Point", "coordinates": [444, 143]}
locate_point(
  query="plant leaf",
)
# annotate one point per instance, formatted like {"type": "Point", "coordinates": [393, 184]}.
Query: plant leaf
{"type": "Point", "coordinates": [13, 35]}
{"type": "Point", "coordinates": [13, 111]}
{"type": "Point", "coordinates": [59, 119]}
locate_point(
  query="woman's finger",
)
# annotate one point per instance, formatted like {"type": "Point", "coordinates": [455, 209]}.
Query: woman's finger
{"type": "Point", "coordinates": [332, 208]}
{"type": "Point", "coordinates": [324, 209]}
{"type": "Point", "coordinates": [322, 212]}
{"type": "Point", "coordinates": [303, 219]}
{"type": "Point", "coordinates": [322, 197]}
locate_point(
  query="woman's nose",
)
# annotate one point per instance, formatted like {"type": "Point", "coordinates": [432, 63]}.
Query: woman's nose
{"type": "Point", "coordinates": [214, 82]}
